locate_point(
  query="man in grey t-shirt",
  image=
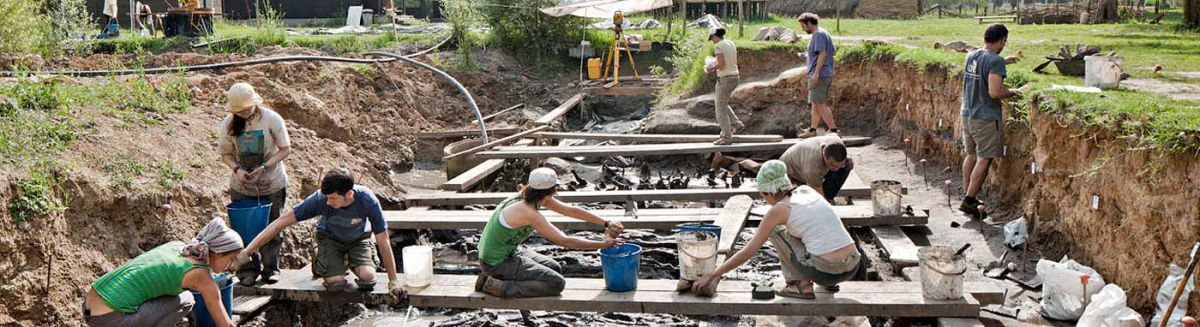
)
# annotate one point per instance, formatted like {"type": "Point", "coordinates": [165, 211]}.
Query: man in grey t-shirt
{"type": "Point", "coordinates": [982, 116]}
{"type": "Point", "coordinates": [820, 74]}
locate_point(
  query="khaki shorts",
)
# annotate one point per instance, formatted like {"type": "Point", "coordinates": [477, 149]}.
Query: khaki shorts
{"type": "Point", "coordinates": [983, 138]}
{"type": "Point", "coordinates": [333, 257]}
{"type": "Point", "coordinates": [818, 93]}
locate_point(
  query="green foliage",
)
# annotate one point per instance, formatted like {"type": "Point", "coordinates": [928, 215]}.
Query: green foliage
{"type": "Point", "coordinates": [28, 94]}
{"type": "Point", "coordinates": [169, 175]}
{"type": "Point", "coordinates": [139, 98]}
{"type": "Point", "coordinates": [24, 29]}
{"type": "Point", "coordinates": [35, 121]}
{"type": "Point", "coordinates": [1168, 126]}
{"type": "Point", "coordinates": [518, 26]}
{"type": "Point", "coordinates": [123, 170]}
{"type": "Point", "coordinates": [463, 16]}
{"type": "Point", "coordinates": [35, 196]}
{"type": "Point", "coordinates": [688, 62]}
{"type": "Point", "coordinates": [362, 69]}
{"type": "Point", "coordinates": [135, 44]}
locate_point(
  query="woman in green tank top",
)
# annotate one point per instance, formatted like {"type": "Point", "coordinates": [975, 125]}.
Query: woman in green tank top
{"type": "Point", "coordinates": [149, 289]}
{"type": "Point", "coordinates": [508, 272]}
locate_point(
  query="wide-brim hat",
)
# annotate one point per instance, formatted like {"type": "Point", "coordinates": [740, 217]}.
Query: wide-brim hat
{"type": "Point", "coordinates": [241, 96]}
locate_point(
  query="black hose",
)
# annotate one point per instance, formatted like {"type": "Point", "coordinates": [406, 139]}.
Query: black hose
{"type": "Point", "coordinates": [444, 75]}
{"type": "Point", "coordinates": [259, 61]}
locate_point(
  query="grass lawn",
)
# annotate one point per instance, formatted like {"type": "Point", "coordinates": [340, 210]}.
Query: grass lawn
{"type": "Point", "coordinates": [245, 39]}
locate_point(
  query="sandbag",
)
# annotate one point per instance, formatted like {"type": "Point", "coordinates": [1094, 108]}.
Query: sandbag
{"type": "Point", "coordinates": [1062, 291]}
{"type": "Point", "coordinates": [1108, 309]}
{"type": "Point", "coordinates": [1166, 291]}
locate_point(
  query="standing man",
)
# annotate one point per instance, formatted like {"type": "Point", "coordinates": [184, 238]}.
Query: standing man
{"type": "Point", "coordinates": [820, 74]}
{"type": "Point", "coordinates": [819, 162]}
{"type": "Point", "coordinates": [350, 215]}
{"type": "Point", "coordinates": [253, 143]}
{"type": "Point", "coordinates": [982, 116]}
{"type": "Point", "coordinates": [727, 80]}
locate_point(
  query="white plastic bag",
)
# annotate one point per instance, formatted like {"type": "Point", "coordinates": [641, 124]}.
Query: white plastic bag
{"type": "Point", "coordinates": [1167, 291]}
{"type": "Point", "coordinates": [710, 62]}
{"type": "Point", "coordinates": [1108, 309]}
{"type": "Point", "coordinates": [1062, 290]}
{"type": "Point", "coordinates": [1015, 232]}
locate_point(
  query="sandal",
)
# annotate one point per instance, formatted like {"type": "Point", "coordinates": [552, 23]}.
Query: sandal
{"type": "Point", "coordinates": [800, 293]}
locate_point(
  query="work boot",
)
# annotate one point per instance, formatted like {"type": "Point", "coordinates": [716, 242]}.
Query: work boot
{"type": "Point", "coordinates": [970, 207]}
{"type": "Point", "coordinates": [492, 286]}
{"type": "Point", "coordinates": [480, 281]}
{"type": "Point", "coordinates": [269, 278]}
{"type": "Point", "coordinates": [810, 132]}
{"type": "Point", "coordinates": [247, 278]}
{"type": "Point", "coordinates": [365, 285]}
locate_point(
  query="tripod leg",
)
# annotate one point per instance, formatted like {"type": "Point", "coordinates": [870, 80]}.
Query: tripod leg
{"type": "Point", "coordinates": [631, 64]}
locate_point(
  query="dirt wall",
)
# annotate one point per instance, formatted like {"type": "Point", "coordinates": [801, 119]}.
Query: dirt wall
{"type": "Point", "coordinates": [1147, 212]}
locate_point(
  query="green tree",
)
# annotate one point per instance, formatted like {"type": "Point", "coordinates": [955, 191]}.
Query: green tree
{"type": "Point", "coordinates": [463, 18]}
{"type": "Point", "coordinates": [518, 26]}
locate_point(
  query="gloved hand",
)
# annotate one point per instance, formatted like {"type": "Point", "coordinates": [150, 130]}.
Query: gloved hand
{"type": "Point", "coordinates": [396, 289]}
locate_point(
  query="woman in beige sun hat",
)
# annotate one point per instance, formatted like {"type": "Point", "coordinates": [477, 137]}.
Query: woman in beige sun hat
{"type": "Point", "coordinates": [253, 143]}
{"type": "Point", "coordinates": [813, 245]}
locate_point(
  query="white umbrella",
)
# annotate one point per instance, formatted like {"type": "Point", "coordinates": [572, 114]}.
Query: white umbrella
{"type": "Point", "coordinates": [605, 8]}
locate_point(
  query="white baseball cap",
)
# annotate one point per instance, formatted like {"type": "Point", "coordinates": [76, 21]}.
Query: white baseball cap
{"type": "Point", "coordinates": [543, 179]}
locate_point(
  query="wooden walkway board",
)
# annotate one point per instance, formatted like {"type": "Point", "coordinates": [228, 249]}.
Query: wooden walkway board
{"type": "Point", "coordinates": [858, 215]}
{"type": "Point", "coordinates": [634, 150]}
{"type": "Point", "coordinates": [246, 304]}
{"type": "Point", "coordinates": [889, 299]}
{"type": "Point", "coordinates": [562, 110]}
{"type": "Point", "coordinates": [658, 138]}
{"type": "Point", "coordinates": [959, 322]}
{"type": "Point", "coordinates": [467, 133]}
{"type": "Point", "coordinates": [472, 176]}
{"type": "Point", "coordinates": [900, 249]}
{"type": "Point", "coordinates": [732, 219]}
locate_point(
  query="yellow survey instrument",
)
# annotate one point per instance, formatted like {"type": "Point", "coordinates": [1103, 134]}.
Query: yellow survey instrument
{"type": "Point", "coordinates": [613, 57]}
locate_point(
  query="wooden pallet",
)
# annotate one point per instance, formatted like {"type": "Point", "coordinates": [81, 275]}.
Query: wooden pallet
{"type": "Point", "coordinates": [880, 299]}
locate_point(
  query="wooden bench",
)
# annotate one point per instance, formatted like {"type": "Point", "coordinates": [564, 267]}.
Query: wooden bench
{"type": "Point", "coordinates": [1001, 18]}
{"type": "Point", "coordinates": [878, 299]}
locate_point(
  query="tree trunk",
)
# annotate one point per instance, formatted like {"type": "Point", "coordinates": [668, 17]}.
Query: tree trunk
{"type": "Point", "coordinates": [1191, 12]}
{"type": "Point", "coordinates": [1106, 12]}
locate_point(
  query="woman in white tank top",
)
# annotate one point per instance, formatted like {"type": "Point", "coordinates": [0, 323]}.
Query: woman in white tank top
{"type": "Point", "coordinates": [813, 245]}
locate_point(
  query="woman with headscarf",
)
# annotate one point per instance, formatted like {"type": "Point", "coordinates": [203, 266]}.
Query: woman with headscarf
{"type": "Point", "coordinates": [149, 289]}
{"type": "Point", "coordinates": [253, 143]}
{"type": "Point", "coordinates": [813, 245]}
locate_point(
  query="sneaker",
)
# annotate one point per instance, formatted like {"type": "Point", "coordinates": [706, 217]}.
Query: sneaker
{"type": "Point", "coordinates": [970, 207]}
{"type": "Point", "coordinates": [269, 278]}
{"type": "Point", "coordinates": [808, 133]}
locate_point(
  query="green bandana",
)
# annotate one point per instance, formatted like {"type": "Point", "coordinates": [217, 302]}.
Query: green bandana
{"type": "Point", "coordinates": [773, 178]}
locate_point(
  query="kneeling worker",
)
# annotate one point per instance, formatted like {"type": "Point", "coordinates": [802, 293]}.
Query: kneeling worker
{"type": "Point", "coordinates": [813, 245]}
{"type": "Point", "coordinates": [349, 216]}
{"type": "Point", "coordinates": [509, 272]}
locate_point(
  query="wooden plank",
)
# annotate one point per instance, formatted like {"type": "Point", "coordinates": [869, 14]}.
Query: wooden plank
{"type": "Point", "coordinates": [624, 90]}
{"type": "Point", "coordinates": [450, 220]}
{"type": "Point", "coordinates": [887, 299]}
{"type": "Point", "coordinates": [247, 304]}
{"type": "Point", "coordinates": [495, 143]}
{"type": "Point", "coordinates": [633, 150]}
{"type": "Point", "coordinates": [494, 114]}
{"type": "Point", "coordinates": [659, 138]}
{"type": "Point", "coordinates": [466, 133]}
{"type": "Point", "coordinates": [959, 322]}
{"type": "Point", "coordinates": [472, 176]}
{"type": "Point", "coordinates": [460, 199]}
{"type": "Point", "coordinates": [900, 249]}
{"type": "Point", "coordinates": [856, 187]}
{"type": "Point", "coordinates": [560, 111]}
{"type": "Point", "coordinates": [732, 219]}
{"type": "Point", "coordinates": [859, 214]}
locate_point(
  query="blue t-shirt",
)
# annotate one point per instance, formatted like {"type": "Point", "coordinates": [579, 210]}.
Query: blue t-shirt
{"type": "Point", "coordinates": [976, 102]}
{"type": "Point", "coordinates": [821, 42]}
{"type": "Point", "coordinates": [347, 224]}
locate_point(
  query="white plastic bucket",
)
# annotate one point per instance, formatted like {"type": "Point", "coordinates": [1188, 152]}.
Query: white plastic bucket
{"type": "Point", "coordinates": [1103, 72]}
{"type": "Point", "coordinates": [885, 198]}
{"type": "Point", "coordinates": [697, 254]}
{"type": "Point", "coordinates": [941, 272]}
{"type": "Point", "coordinates": [418, 265]}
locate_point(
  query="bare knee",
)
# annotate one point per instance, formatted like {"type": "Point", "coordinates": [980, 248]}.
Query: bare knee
{"type": "Point", "coordinates": [366, 273]}
{"type": "Point", "coordinates": [556, 284]}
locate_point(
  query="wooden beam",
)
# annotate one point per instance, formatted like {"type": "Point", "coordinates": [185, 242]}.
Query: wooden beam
{"type": "Point", "coordinates": [469, 178]}
{"type": "Point", "coordinates": [633, 150]}
{"type": "Point", "coordinates": [732, 220]}
{"type": "Point", "coordinates": [494, 114]}
{"type": "Point", "coordinates": [495, 143]}
{"type": "Point", "coordinates": [883, 299]}
{"type": "Point", "coordinates": [560, 111]}
{"type": "Point", "coordinates": [959, 322]}
{"type": "Point", "coordinates": [466, 133]}
{"type": "Point", "coordinates": [900, 249]}
{"type": "Point", "coordinates": [624, 90]}
{"type": "Point", "coordinates": [659, 138]}
{"type": "Point", "coordinates": [247, 304]}
{"type": "Point", "coordinates": [859, 214]}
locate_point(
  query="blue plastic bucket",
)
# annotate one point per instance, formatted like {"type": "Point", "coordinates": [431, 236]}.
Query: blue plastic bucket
{"type": "Point", "coordinates": [249, 217]}
{"type": "Point", "coordinates": [701, 227]}
{"type": "Point", "coordinates": [620, 264]}
{"type": "Point", "coordinates": [200, 312]}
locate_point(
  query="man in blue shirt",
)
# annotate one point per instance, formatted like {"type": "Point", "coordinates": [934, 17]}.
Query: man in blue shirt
{"type": "Point", "coordinates": [350, 215]}
{"type": "Point", "coordinates": [982, 115]}
{"type": "Point", "coordinates": [820, 74]}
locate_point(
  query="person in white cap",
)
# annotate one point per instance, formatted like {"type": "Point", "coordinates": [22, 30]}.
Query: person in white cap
{"type": "Point", "coordinates": [510, 272]}
{"type": "Point", "coordinates": [727, 80]}
{"type": "Point", "coordinates": [813, 245]}
{"type": "Point", "coordinates": [253, 144]}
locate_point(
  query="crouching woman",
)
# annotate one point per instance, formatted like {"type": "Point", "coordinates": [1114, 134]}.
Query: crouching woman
{"type": "Point", "coordinates": [149, 289]}
{"type": "Point", "coordinates": [813, 245]}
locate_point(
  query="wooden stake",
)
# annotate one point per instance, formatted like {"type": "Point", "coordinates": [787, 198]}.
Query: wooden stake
{"type": "Point", "coordinates": [496, 142]}
{"type": "Point", "coordinates": [1179, 289]}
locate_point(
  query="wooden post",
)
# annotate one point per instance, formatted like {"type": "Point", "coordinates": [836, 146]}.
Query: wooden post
{"type": "Point", "coordinates": [741, 8]}
{"type": "Point", "coordinates": [837, 7]}
{"type": "Point", "coordinates": [670, 19]}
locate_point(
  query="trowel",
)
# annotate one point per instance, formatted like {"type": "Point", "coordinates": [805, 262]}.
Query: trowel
{"type": "Point", "coordinates": [997, 269]}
